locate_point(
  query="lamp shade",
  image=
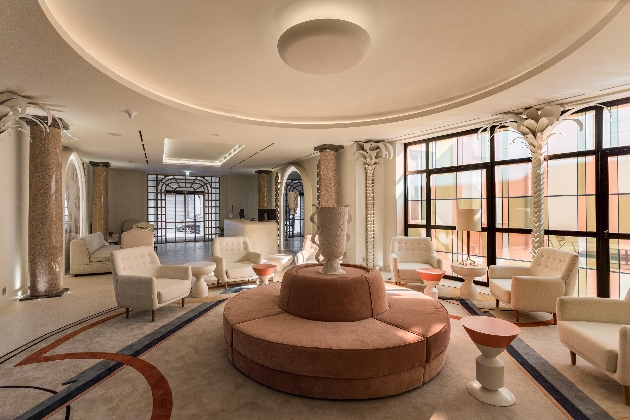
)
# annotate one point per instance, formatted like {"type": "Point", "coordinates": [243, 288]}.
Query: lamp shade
{"type": "Point", "coordinates": [469, 220]}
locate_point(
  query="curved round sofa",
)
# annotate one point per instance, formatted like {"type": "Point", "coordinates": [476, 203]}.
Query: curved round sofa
{"type": "Point", "coordinates": [336, 336]}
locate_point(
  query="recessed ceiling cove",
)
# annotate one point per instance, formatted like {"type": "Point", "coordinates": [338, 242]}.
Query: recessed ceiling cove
{"type": "Point", "coordinates": [401, 60]}
{"type": "Point", "coordinates": [324, 46]}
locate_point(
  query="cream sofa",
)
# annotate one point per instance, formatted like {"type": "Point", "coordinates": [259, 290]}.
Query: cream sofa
{"type": "Point", "coordinates": [410, 253]}
{"type": "Point", "coordinates": [90, 254]}
{"type": "Point", "coordinates": [141, 282]}
{"type": "Point", "coordinates": [234, 258]}
{"type": "Point", "coordinates": [598, 330]}
{"type": "Point", "coordinates": [552, 273]}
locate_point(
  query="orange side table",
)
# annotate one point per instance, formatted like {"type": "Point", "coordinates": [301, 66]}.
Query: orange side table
{"type": "Point", "coordinates": [431, 277]}
{"type": "Point", "coordinates": [264, 272]}
{"type": "Point", "coordinates": [491, 336]}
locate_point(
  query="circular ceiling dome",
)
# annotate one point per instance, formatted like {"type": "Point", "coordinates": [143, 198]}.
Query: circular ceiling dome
{"type": "Point", "coordinates": [324, 46]}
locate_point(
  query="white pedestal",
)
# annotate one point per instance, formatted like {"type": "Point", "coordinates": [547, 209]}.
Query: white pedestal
{"type": "Point", "coordinates": [199, 288]}
{"type": "Point", "coordinates": [431, 289]}
{"type": "Point", "coordinates": [489, 386]}
{"type": "Point", "coordinates": [263, 280]}
{"type": "Point", "coordinates": [468, 289]}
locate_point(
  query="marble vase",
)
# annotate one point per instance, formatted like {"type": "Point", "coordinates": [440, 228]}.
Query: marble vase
{"type": "Point", "coordinates": [331, 237]}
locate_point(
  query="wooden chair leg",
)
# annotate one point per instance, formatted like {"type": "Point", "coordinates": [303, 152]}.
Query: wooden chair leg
{"type": "Point", "coordinates": [497, 302]}
{"type": "Point", "coordinates": [153, 315]}
{"type": "Point", "coordinates": [126, 313]}
{"type": "Point", "coordinates": [555, 319]}
{"type": "Point", "coordinates": [517, 317]}
{"type": "Point", "coordinates": [183, 299]}
{"type": "Point", "coordinates": [626, 394]}
{"type": "Point", "coordinates": [573, 358]}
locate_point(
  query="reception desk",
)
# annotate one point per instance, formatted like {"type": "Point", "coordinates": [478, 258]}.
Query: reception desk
{"type": "Point", "coordinates": [262, 235]}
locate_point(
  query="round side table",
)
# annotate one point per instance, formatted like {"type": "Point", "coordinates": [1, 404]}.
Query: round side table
{"type": "Point", "coordinates": [491, 336]}
{"type": "Point", "coordinates": [469, 273]}
{"type": "Point", "coordinates": [264, 272]}
{"type": "Point", "coordinates": [431, 277]}
{"type": "Point", "coordinates": [200, 270]}
{"type": "Point", "coordinates": [280, 260]}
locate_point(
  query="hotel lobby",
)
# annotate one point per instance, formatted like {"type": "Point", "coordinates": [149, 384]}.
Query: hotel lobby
{"type": "Point", "coordinates": [315, 209]}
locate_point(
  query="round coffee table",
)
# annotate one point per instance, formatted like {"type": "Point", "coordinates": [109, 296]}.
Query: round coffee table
{"type": "Point", "coordinates": [491, 336]}
{"type": "Point", "coordinates": [200, 270]}
{"type": "Point", "coordinates": [264, 272]}
{"type": "Point", "coordinates": [431, 277]}
{"type": "Point", "coordinates": [280, 260]}
{"type": "Point", "coordinates": [469, 273]}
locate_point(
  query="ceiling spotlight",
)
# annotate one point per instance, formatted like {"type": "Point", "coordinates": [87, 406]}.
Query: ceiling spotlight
{"type": "Point", "coordinates": [130, 113]}
{"type": "Point", "coordinates": [115, 134]}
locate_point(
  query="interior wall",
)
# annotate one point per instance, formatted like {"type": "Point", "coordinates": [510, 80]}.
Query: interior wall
{"type": "Point", "coordinates": [127, 197]}
{"type": "Point", "coordinates": [14, 151]}
{"type": "Point", "coordinates": [240, 191]}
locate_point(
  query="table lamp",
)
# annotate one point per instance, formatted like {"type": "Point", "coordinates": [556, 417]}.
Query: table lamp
{"type": "Point", "coordinates": [468, 220]}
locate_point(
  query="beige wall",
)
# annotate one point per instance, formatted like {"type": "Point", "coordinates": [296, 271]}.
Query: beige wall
{"type": "Point", "coordinates": [240, 191]}
{"type": "Point", "coordinates": [127, 197]}
{"type": "Point", "coordinates": [14, 214]}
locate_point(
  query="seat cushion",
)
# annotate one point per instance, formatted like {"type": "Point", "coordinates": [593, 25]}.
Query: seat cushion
{"type": "Point", "coordinates": [598, 342]}
{"type": "Point", "coordinates": [407, 271]}
{"type": "Point", "coordinates": [501, 289]}
{"type": "Point", "coordinates": [102, 254]}
{"type": "Point", "coordinates": [94, 241]}
{"type": "Point", "coordinates": [239, 270]}
{"type": "Point", "coordinates": [169, 289]}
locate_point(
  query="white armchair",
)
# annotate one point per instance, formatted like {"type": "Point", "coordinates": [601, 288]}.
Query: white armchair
{"type": "Point", "coordinates": [141, 282]}
{"type": "Point", "coordinates": [598, 330]}
{"type": "Point", "coordinates": [234, 258]}
{"type": "Point", "coordinates": [307, 254]}
{"type": "Point", "coordinates": [552, 273]}
{"type": "Point", "coordinates": [410, 253]}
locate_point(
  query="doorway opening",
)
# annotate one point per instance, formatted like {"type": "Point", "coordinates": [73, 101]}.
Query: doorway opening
{"type": "Point", "coordinates": [293, 212]}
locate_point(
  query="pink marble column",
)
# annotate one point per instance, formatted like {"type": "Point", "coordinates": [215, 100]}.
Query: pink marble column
{"type": "Point", "coordinates": [99, 197]}
{"type": "Point", "coordinates": [328, 174]}
{"type": "Point", "coordinates": [45, 216]}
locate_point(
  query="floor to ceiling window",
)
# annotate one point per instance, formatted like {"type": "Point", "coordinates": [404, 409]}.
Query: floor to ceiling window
{"type": "Point", "coordinates": [183, 208]}
{"type": "Point", "coordinates": [587, 202]}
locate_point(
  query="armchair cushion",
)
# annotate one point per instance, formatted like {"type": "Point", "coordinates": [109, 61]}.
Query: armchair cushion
{"type": "Point", "coordinates": [407, 271]}
{"type": "Point", "coordinates": [95, 241]}
{"type": "Point", "coordinates": [103, 254]}
{"type": "Point", "coordinates": [598, 342]}
{"type": "Point", "coordinates": [501, 289]}
{"type": "Point", "coordinates": [171, 289]}
{"type": "Point", "coordinates": [239, 270]}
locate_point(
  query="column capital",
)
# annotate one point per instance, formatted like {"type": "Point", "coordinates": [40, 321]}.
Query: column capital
{"type": "Point", "coordinates": [263, 171]}
{"type": "Point", "coordinates": [44, 120]}
{"type": "Point", "coordinates": [331, 147]}
{"type": "Point", "coordinates": [99, 164]}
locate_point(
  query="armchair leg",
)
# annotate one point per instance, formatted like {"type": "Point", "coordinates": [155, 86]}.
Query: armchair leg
{"type": "Point", "coordinates": [183, 299]}
{"type": "Point", "coordinates": [497, 302]}
{"type": "Point", "coordinates": [555, 319]}
{"type": "Point", "coordinates": [517, 317]}
{"type": "Point", "coordinates": [153, 315]}
{"type": "Point", "coordinates": [626, 394]}
{"type": "Point", "coordinates": [126, 313]}
{"type": "Point", "coordinates": [573, 358]}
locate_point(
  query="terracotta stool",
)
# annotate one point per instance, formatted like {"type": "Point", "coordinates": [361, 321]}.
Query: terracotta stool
{"type": "Point", "coordinates": [431, 277]}
{"type": "Point", "coordinates": [264, 272]}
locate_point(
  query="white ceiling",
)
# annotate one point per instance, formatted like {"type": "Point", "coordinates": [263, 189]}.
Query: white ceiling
{"type": "Point", "coordinates": [210, 71]}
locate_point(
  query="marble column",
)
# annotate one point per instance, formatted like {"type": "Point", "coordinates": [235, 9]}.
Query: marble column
{"type": "Point", "coordinates": [328, 174]}
{"type": "Point", "coordinates": [45, 216]}
{"type": "Point", "coordinates": [99, 197]}
{"type": "Point", "coordinates": [263, 188]}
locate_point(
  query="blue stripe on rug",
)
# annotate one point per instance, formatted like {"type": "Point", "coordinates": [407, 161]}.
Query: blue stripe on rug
{"type": "Point", "coordinates": [101, 370]}
{"type": "Point", "coordinates": [575, 402]}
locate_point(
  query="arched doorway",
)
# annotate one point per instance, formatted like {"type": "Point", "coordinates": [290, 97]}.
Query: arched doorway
{"type": "Point", "coordinates": [74, 203]}
{"type": "Point", "coordinates": [293, 211]}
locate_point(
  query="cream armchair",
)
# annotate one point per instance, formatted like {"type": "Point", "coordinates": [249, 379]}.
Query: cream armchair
{"type": "Point", "coordinates": [141, 282]}
{"type": "Point", "coordinates": [234, 258]}
{"type": "Point", "coordinates": [552, 273]}
{"type": "Point", "coordinates": [137, 237]}
{"type": "Point", "coordinates": [598, 330]}
{"type": "Point", "coordinates": [410, 253]}
{"type": "Point", "coordinates": [307, 254]}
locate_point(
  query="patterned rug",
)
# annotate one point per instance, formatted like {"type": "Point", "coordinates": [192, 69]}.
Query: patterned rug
{"type": "Point", "coordinates": [105, 366]}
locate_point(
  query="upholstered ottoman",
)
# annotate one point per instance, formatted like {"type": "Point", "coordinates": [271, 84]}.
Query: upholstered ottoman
{"type": "Point", "coordinates": [336, 337]}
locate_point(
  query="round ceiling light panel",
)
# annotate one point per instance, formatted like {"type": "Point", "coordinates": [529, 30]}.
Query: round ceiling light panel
{"type": "Point", "coordinates": [324, 46]}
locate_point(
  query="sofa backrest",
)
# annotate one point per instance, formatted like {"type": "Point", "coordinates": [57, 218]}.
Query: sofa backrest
{"type": "Point", "coordinates": [144, 225]}
{"type": "Point", "coordinates": [232, 248]}
{"type": "Point", "coordinates": [552, 262]}
{"type": "Point", "coordinates": [135, 238]}
{"type": "Point", "coordinates": [128, 224]}
{"type": "Point", "coordinates": [411, 249]}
